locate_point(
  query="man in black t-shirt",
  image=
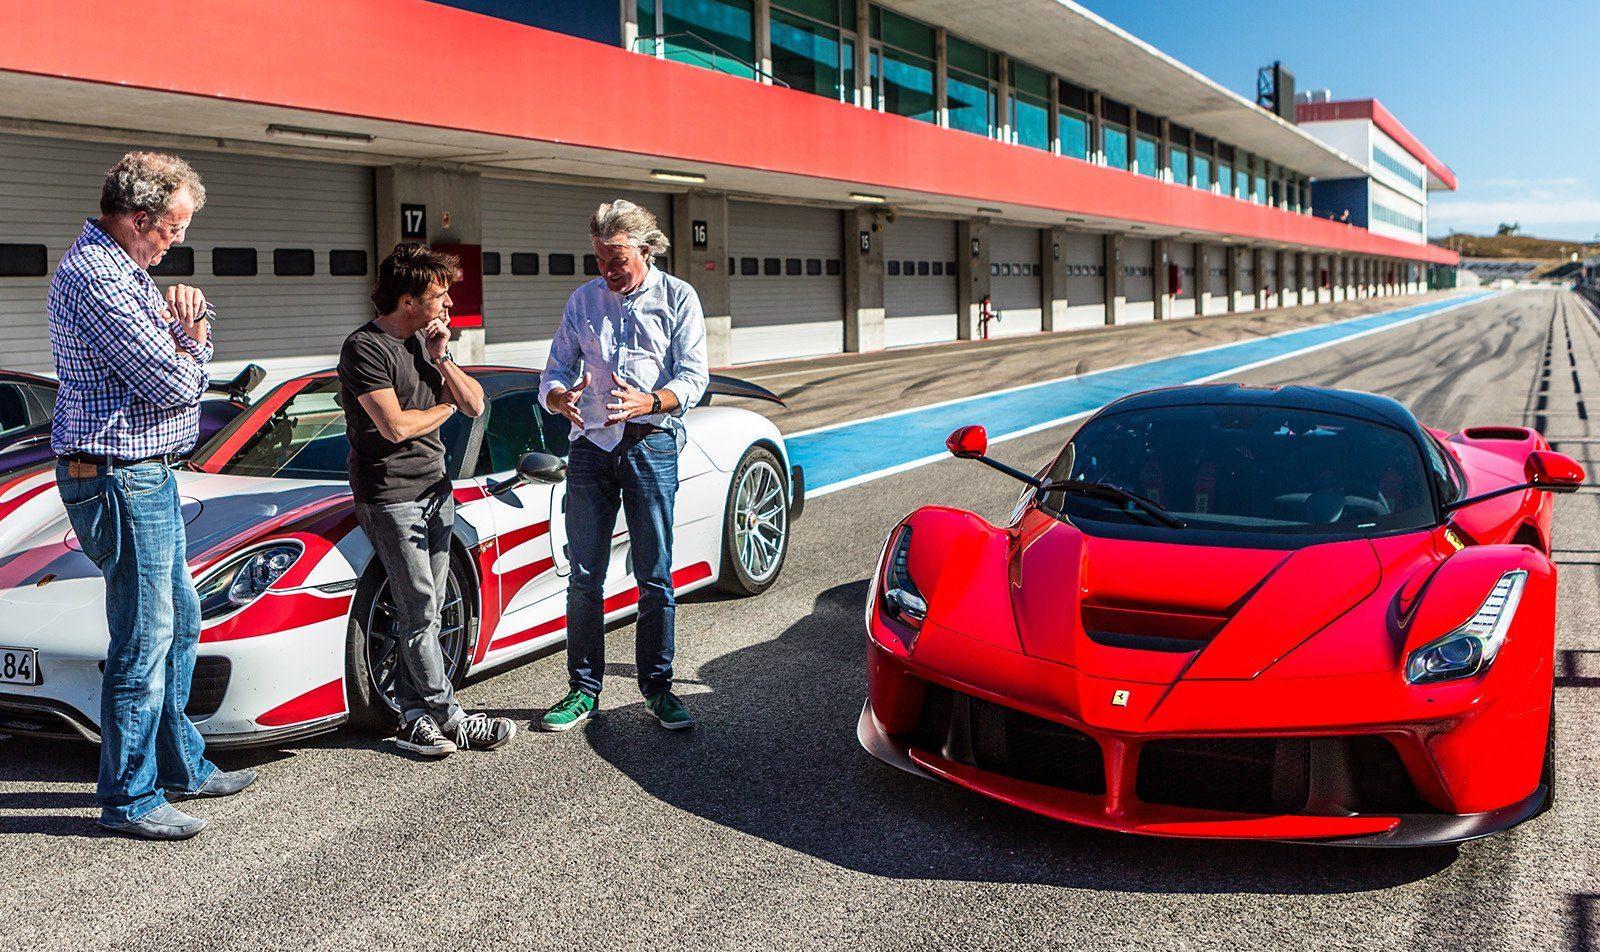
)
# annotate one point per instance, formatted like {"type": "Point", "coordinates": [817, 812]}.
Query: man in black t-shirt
{"type": "Point", "coordinates": [399, 385]}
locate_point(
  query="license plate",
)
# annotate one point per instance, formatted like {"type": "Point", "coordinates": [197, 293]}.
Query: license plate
{"type": "Point", "coordinates": [19, 665]}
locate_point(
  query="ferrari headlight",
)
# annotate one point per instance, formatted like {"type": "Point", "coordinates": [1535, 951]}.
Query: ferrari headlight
{"type": "Point", "coordinates": [901, 599]}
{"type": "Point", "coordinates": [240, 581]}
{"type": "Point", "coordinates": [1472, 647]}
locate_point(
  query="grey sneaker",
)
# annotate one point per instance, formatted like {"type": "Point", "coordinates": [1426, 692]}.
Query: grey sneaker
{"type": "Point", "coordinates": [223, 783]}
{"type": "Point", "coordinates": [165, 822]}
{"type": "Point", "coordinates": [481, 732]}
{"type": "Point", "coordinates": [423, 736]}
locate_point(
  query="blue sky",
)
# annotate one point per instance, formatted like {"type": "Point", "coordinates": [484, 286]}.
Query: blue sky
{"type": "Point", "coordinates": [1505, 93]}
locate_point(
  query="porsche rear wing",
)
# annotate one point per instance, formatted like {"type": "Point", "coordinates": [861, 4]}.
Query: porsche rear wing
{"type": "Point", "coordinates": [723, 385]}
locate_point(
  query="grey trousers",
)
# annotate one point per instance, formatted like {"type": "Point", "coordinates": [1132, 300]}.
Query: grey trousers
{"type": "Point", "coordinates": [412, 542]}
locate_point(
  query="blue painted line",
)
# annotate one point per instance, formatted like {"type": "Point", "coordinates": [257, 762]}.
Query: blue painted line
{"type": "Point", "coordinates": [852, 452]}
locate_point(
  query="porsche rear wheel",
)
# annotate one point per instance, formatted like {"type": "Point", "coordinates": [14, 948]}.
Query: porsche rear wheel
{"type": "Point", "coordinates": [371, 662]}
{"type": "Point", "coordinates": [755, 524]}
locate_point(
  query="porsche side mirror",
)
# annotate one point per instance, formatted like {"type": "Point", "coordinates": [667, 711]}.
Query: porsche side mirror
{"type": "Point", "coordinates": [1552, 471]}
{"type": "Point", "coordinates": [542, 468]}
{"type": "Point", "coordinates": [533, 468]}
{"type": "Point", "coordinates": [972, 442]}
{"type": "Point", "coordinates": [968, 442]}
{"type": "Point", "coordinates": [238, 389]}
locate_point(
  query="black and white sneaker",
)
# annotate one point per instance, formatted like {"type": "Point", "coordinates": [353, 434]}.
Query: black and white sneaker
{"type": "Point", "coordinates": [482, 732]}
{"type": "Point", "coordinates": [424, 737]}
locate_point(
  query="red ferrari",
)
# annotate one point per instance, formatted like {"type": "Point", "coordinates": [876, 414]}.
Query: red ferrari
{"type": "Point", "coordinates": [1243, 612]}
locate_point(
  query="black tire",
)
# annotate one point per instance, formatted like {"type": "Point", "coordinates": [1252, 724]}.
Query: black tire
{"type": "Point", "coordinates": [372, 708]}
{"type": "Point", "coordinates": [758, 463]}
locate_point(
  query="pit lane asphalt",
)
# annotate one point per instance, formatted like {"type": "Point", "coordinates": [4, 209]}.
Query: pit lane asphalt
{"type": "Point", "coordinates": [768, 826]}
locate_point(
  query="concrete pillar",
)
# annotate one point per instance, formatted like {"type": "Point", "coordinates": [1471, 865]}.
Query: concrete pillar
{"type": "Point", "coordinates": [630, 25]}
{"type": "Point", "coordinates": [863, 280]}
{"type": "Point", "coordinates": [866, 96]}
{"type": "Point", "coordinates": [762, 26]}
{"type": "Point", "coordinates": [1202, 278]}
{"type": "Point", "coordinates": [1002, 118]}
{"type": "Point", "coordinates": [941, 105]}
{"type": "Point", "coordinates": [1258, 275]}
{"type": "Point", "coordinates": [453, 216]}
{"type": "Point", "coordinates": [972, 274]}
{"type": "Point", "coordinates": [706, 269]}
{"type": "Point", "coordinates": [1160, 280]}
{"type": "Point", "coordinates": [1230, 258]}
{"type": "Point", "coordinates": [1287, 290]}
{"type": "Point", "coordinates": [1053, 277]}
{"type": "Point", "coordinates": [1116, 282]}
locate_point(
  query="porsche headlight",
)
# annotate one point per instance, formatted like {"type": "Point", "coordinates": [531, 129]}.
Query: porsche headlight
{"type": "Point", "coordinates": [240, 581]}
{"type": "Point", "coordinates": [1472, 647]}
{"type": "Point", "coordinates": [901, 599]}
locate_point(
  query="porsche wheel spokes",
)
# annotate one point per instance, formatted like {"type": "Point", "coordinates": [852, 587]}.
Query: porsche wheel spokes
{"type": "Point", "coordinates": [383, 661]}
{"type": "Point", "coordinates": [760, 521]}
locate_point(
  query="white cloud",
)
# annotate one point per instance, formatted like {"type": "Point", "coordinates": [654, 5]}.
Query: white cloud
{"type": "Point", "coordinates": [1547, 208]}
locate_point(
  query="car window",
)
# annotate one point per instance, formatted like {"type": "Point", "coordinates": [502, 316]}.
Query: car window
{"type": "Point", "coordinates": [1446, 472]}
{"type": "Point", "coordinates": [519, 425]}
{"type": "Point", "coordinates": [19, 408]}
{"type": "Point", "coordinates": [1278, 477]}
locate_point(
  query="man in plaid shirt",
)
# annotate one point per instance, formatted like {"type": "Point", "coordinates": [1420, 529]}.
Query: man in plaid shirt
{"type": "Point", "coordinates": [132, 364]}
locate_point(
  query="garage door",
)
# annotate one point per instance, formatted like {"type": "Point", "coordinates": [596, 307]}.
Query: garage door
{"type": "Point", "coordinates": [1014, 280]}
{"type": "Point", "coordinates": [1138, 276]}
{"type": "Point", "coordinates": [1086, 280]}
{"type": "Point", "coordinates": [1247, 281]}
{"type": "Point", "coordinates": [919, 282]}
{"type": "Point", "coordinates": [1217, 280]}
{"type": "Point", "coordinates": [283, 248]}
{"type": "Point", "coordinates": [787, 284]}
{"type": "Point", "coordinates": [1269, 279]}
{"type": "Point", "coordinates": [536, 252]}
{"type": "Point", "coordinates": [1181, 253]}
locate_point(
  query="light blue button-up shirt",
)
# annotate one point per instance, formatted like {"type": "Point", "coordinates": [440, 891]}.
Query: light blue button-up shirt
{"type": "Point", "coordinates": [654, 338]}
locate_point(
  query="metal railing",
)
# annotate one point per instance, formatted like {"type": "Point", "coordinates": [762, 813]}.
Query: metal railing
{"type": "Point", "coordinates": [689, 47]}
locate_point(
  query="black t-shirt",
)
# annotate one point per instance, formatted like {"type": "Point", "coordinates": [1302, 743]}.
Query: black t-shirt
{"type": "Point", "coordinates": [382, 472]}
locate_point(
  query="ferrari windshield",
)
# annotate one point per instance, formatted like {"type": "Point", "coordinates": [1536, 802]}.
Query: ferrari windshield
{"type": "Point", "coordinates": [1257, 475]}
{"type": "Point", "coordinates": [304, 439]}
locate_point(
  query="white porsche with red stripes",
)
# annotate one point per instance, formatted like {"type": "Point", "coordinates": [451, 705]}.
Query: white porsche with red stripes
{"type": "Point", "coordinates": [296, 635]}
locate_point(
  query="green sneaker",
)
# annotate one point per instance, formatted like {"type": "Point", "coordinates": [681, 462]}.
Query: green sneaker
{"type": "Point", "coordinates": [669, 711]}
{"type": "Point", "coordinates": [569, 712]}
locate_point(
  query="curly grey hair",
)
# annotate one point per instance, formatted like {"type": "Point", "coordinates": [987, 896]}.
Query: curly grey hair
{"type": "Point", "coordinates": [146, 182]}
{"type": "Point", "coordinates": [624, 218]}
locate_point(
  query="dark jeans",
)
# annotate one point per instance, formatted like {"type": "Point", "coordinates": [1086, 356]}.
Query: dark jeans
{"type": "Point", "coordinates": [129, 522]}
{"type": "Point", "coordinates": [412, 542]}
{"type": "Point", "coordinates": [642, 476]}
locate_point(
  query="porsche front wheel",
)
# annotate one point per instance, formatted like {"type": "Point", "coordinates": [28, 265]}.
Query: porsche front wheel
{"type": "Point", "coordinates": [755, 524]}
{"type": "Point", "coordinates": [372, 663]}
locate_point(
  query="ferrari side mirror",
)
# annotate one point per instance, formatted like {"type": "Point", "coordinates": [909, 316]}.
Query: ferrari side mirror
{"type": "Point", "coordinates": [968, 442]}
{"type": "Point", "coordinates": [542, 468]}
{"type": "Point", "coordinates": [1555, 472]}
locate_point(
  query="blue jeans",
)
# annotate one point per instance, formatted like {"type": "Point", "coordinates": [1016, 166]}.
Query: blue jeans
{"type": "Point", "coordinates": [129, 522]}
{"type": "Point", "coordinates": [642, 476]}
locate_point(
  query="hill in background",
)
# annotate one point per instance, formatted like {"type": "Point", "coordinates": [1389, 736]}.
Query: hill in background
{"type": "Point", "coordinates": [1519, 247]}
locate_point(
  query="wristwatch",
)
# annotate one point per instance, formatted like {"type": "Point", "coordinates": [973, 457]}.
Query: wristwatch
{"type": "Point", "coordinates": [444, 358]}
{"type": "Point", "coordinates": [655, 403]}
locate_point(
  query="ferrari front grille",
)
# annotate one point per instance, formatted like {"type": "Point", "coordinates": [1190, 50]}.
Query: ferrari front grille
{"type": "Point", "coordinates": [1008, 742]}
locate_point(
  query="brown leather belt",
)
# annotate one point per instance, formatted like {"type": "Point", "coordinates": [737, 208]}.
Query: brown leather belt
{"type": "Point", "coordinates": [87, 465]}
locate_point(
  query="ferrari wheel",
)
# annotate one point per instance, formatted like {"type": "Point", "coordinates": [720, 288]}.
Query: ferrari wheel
{"type": "Point", "coordinates": [371, 659]}
{"type": "Point", "coordinates": [755, 525]}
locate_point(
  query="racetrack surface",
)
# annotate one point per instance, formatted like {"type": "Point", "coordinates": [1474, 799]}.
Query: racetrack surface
{"type": "Point", "coordinates": [768, 826]}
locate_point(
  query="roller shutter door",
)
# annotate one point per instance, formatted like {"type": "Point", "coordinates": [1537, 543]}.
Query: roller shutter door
{"type": "Point", "coordinates": [1269, 279]}
{"type": "Point", "coordinates": [1086, 280]}
{"type": "Point", "coordinates": [537, 235]}
{"type": "Point", "coordinates": [1247, 281]}
{"type": "Point", "coordinates": [1217, 280]}
{"type": "Point", "coordinates": [1181, 253]}
{"type": "Point", "coordinates": [278, 218]}
{"type": "Point", "coordinates": [919, 283]}
{"type": "Point", "coordinates": [1138, 277]}
{"type": "Point", "coordinates": [787, 284]}
{"type": "Point", "coordinates": [1014, 285]}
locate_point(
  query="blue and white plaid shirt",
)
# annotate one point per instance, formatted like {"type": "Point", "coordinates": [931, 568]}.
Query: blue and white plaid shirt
{"type": "Point", "coordinates": [125, 390]}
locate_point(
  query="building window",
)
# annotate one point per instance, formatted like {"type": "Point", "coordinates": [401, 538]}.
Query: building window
{"type": "Point", "coordinates": [1179, 161]}
{"type": "Point", "coordinates": [1388, 161]}
{"type": "Point", "coordinates": [715, 34]}
{"type": "Point", "coordinates": [1115, 145]}
{"type": "Point", "coordinates": [806, 54]}
{"type": "Point", "coordinates": [1030, 106]}
{"type": "Point", "coordinates": [902, 66]}
{"type": "Point", "coordinates": [1225, 178]}
{"type": "Point", "coordinates": [1389, 216]}
{"type": "Point", "coordinates": [178, 262]}
{"type": "Point", "coordinates": [1202, 171]}
{"type": "Point", "coordinates": [1146, 152]}
{"type": "Point", "coordinates": [970, 87]}
{"type": "Point", "coordinates": [1072, 133]}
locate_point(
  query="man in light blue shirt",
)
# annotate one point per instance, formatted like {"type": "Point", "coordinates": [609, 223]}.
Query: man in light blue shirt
{"type": "Point", "coordinates": [627, 362]}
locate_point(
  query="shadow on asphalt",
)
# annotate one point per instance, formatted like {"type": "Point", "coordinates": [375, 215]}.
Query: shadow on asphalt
{"type": "Point", "coordinates": [775, 756]}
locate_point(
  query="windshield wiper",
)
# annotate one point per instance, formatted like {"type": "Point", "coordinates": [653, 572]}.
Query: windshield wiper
{"type": "Point", "coordinates": [1107, 491]}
